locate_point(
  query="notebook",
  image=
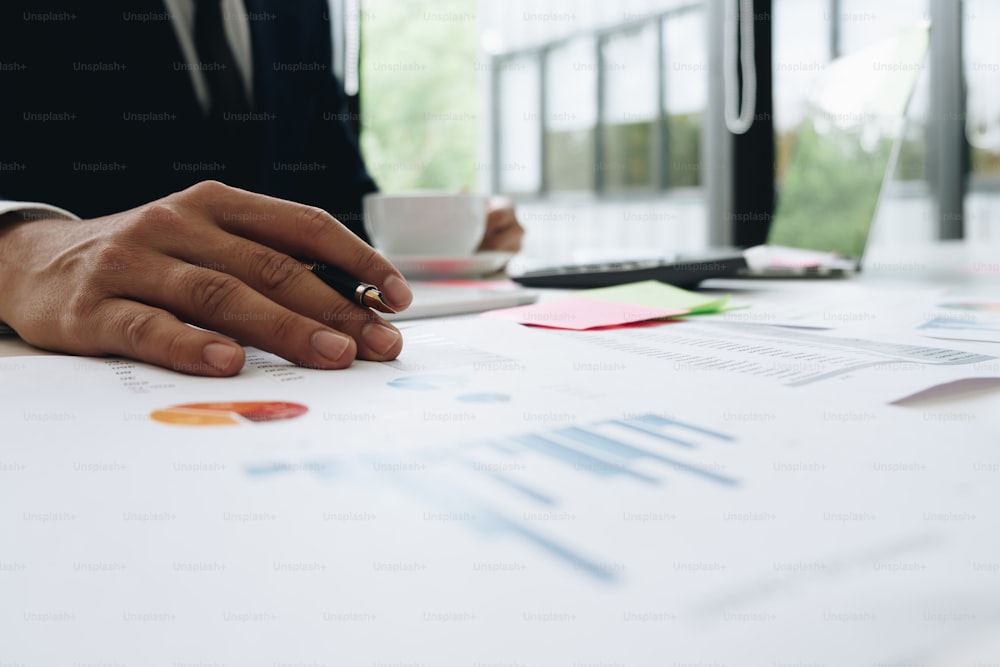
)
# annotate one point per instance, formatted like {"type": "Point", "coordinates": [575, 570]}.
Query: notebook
{"type": "Point", "coordinates": [846, 148]}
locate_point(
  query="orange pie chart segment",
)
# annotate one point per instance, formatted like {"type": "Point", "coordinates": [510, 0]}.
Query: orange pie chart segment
{"type": "Point", "coordinates": [228, 413]}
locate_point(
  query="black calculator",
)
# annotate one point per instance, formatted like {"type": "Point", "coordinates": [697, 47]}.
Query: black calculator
{"type": "Point", "coordinates": [680, 271]}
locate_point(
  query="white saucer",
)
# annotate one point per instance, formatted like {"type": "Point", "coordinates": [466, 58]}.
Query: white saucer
{"type": "Point", "coordinates": [423, 267]}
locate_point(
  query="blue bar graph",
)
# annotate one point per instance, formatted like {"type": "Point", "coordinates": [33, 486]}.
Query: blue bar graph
{"type": "Point", "coordinates": [649, 430]}
{"type": "Point", "coordinates": [624, 450]}
{"type": "Point", "coordinates": [445, 497]}
{"type": "Point", "coordinates": [507, 481]}
{"type": "Point", "coordinates": [578, 459]}
{"type": "Point", "coordinates": [657, 420]}
{"type": "Point", "coordinates": [602, 450]}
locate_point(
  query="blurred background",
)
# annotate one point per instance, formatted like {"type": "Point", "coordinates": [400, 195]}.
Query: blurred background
{"type": "Point", "coordinates": [604, 121]}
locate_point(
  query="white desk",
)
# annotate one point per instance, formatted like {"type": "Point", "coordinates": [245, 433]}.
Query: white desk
{"type": "Point", "coordinates": [717, 522]}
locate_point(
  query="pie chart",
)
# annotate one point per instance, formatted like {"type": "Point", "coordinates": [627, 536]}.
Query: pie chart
{"type": "Point", "coordinates": [228, 413]}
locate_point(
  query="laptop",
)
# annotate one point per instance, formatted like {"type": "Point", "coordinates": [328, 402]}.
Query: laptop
{"type": "Point", "coordinates": [846, 149]}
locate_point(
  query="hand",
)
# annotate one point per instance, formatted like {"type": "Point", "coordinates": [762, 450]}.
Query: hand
{"type": "Point", "coordinates": [503, 231]}
{"type": "Point", "coordinates": [212, 256]}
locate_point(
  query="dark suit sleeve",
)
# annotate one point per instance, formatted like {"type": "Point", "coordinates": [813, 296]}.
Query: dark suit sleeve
{"type": "Point", "coordinates": [346, 179]}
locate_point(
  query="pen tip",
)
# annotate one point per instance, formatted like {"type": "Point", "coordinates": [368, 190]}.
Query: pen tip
{"type": "Point", "coordinates": [373, 299]}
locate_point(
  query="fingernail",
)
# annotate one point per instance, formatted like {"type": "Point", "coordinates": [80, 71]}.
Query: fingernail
{"type": "Point", "coordinates": [330, 345]}
{"type": "Point", "coordinates": [397, 291]}
{"type": "Point", "coordinates": [218, 355]}
{"type": "Point", "coordinates": [379, 337]}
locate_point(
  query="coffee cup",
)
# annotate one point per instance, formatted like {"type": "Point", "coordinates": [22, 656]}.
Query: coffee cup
{"type": "Point", "coordinates": [429, 224]}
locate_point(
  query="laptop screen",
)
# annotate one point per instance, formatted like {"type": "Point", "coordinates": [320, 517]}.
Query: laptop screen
{"type": "Point", "coordinates": [846, 145]}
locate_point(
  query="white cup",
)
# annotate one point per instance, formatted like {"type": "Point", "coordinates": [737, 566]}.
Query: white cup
{"type": "Point", "coordinates": [428, 224]}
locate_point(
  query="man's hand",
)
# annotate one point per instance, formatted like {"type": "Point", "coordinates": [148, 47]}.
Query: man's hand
{"type": "Point", "coordinates": [212, 256]}
{"type": "Point", "coordinates": [503, 231]}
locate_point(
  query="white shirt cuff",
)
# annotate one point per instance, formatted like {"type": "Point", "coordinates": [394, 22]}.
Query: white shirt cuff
{"type": "Point", "coordinates": [30, 210]}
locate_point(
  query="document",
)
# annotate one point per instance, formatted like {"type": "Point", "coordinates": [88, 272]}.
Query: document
{"type": "Point", "coordinates": [957, 318]}
{"type": "Point", "coordinates": [718, 493]}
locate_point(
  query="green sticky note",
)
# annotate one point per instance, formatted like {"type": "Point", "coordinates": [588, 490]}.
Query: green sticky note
{"type": "Point", "coordinates": [655, 294]}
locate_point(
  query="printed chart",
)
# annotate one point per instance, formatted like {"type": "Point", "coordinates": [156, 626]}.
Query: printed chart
{"type": "Point", "coordinates": [646, 449]}
{"type": "Point", "coordinates": [228, 413]}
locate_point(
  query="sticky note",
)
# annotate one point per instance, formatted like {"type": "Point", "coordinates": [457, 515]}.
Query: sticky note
{"type": "Point", "coordinates": [613, 306]}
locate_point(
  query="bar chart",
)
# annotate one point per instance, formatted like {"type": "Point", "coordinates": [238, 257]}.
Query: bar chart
{"type": "Point", "coordinates": [646, 449]}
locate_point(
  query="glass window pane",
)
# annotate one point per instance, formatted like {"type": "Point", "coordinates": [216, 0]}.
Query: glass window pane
{"type": "Point", "coordinates": [907, 210]}
{"type": "Point", "coordinates": [571, 115]}
{"type": "Point", "coordinates": [801, 51]}
{"type": "Point", "coordinates": [865, 21]}
{"type": "Point", "coordinates": [982, 128]}
{"type": "Point", "coordinates": [420, 118]}
{"type": "Point", "coordinates": [982, 72]}
{"type": "Point", "coordinates": [685, 94]}
{"type": "Point", "coordinates": [630, 110]}
{"type": "Point", "coordinates": [519, 105]}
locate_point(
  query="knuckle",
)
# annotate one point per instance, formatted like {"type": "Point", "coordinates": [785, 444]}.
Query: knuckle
{"type": "Point", "coordinates": [160, 215]}
{"type": "Point", "coordinates": [285, 326]}
{"type": "Point", "coordinates": [176, 344]}
{"type": "Point", "coordinates": [208, 188]}
{"type": "Point", "coordinates": [214, 293]}
{"type": "Point", "coordinates": [80, 310]}
{"type": "Point", "coordinates": [367, 256]}
{"type": "Point", "coordinates": [139, 329]}
{"type": "Point", "coordinates": [272, 271]}
{"type": "Point", "coordinates": [313, 222]}
{"type": "Point", "coordinates": [112, 259]}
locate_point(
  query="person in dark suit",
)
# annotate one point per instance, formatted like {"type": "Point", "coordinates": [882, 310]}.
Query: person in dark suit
{"type": "Point", "coordinates": [181, 132]}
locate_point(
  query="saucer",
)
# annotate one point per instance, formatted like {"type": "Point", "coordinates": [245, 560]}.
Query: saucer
{"type": "Point", "coordinates": [425, 267]}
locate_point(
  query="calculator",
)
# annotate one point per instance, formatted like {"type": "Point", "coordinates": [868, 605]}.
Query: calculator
{"type": "Point", "coordinates": [679, 270]}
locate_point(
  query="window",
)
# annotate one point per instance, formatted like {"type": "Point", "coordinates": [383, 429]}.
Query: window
{"type": "Point", "coordinates": [630, 110]}
{"type": "Point", "coordinates": [802, 50]}
{"type": "Point", "coordinates": [982, 124]}
{"type": "Point", "coordinates": [861, 22]}
{"type": "Point", "coordinates": [615, 155]}
{"type": "Point", "coordinates": [982, 73]}
{"type": "Point", "coordinates": [685, 96]}
{"type": "Point", "coordinates": [519, 155]}
{"type": "Point", "coordinates": [419, 114]}
{"type": "Point", "coordinates": [620, 109]}
{"type": "Point", "coordinates": [807, 35]}
{"type": "Point", "coordinates": [570, 117]}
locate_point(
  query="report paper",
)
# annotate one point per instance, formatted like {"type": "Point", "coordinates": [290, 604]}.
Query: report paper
{"type": "Point", "coordinates": [715, 493]}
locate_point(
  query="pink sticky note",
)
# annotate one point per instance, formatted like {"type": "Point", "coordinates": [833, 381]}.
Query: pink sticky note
{"type": "Point", "coordinates": [580, 312]}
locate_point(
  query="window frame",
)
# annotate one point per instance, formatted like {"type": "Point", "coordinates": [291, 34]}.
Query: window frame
{"type": "Point", "coordinates": [658, 182]}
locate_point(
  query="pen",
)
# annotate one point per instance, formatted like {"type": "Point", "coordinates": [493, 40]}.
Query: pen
{"type": "Point", "coordinates": [363, 294]}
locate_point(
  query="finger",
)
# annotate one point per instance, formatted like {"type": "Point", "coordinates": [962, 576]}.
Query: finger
{"type": "Point", "coordinates": [503, 232]}
{"type": "Point", "coordinates": [501, 220]}
{"type": "Point", "coordinates": [138, 331]}
{"type": "Point", "coordinates": [286, 281]}
{"type": "Point", "coordinates": [223, 303]}
{"type": "Point", "coordinates": [299, 230]}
